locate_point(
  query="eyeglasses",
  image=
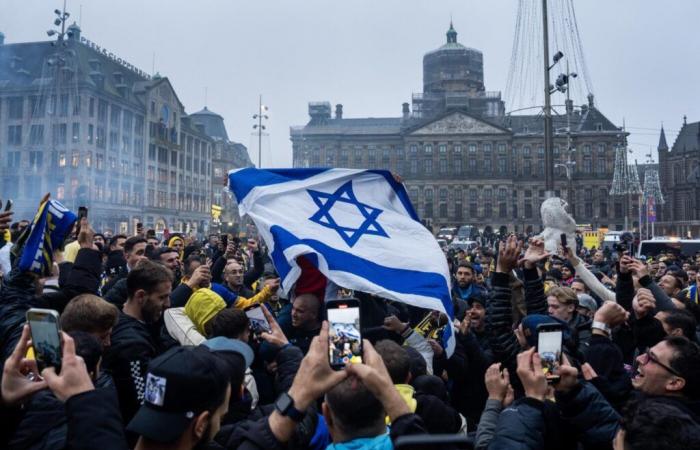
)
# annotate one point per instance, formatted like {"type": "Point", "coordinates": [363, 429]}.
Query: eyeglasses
{"type": "Point", "coordinates": [233, 272]}
{"type": "Point", "coordinates": [648, 356]}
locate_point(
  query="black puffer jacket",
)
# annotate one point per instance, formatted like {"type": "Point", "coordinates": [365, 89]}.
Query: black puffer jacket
{"type": "Point", "coordinates": [134, 345]}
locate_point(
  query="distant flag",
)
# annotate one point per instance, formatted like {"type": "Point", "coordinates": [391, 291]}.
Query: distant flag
{"type": "Point", "coordinates": [358, 226]}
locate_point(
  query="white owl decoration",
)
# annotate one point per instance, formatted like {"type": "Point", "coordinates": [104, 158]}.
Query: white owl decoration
{"type": "Point", "coordinates": [556, 221]}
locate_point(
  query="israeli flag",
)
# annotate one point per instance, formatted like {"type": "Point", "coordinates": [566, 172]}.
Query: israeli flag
{"type": "Point", "coordinates": [357, 226]}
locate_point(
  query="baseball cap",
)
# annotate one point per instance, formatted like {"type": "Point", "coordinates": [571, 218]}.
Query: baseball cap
{"type": "Point", "coordinates": [588, 302]}
{"type": "Point", "coordinates": [180, 384]}
{"type": "Point", "coordinates": [224, 344]}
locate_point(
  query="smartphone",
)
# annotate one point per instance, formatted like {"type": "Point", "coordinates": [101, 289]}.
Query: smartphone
{"type": "Point", "coordinates": [46, 339]}
{"type": "Point", "coordinates": [563, 243]}
{"type": "Point", "coordinates": [151, 233]}
{"type": "Point", "coordinates": [8, 205]}
{"type": "Point", "coordinates": [258, 321]}
{"type": "Point", "coordinates": [344, 338]}
{"type": "Point", "coordinates": [549, 342]}
{"type": "Point", "coordinates": [139, 228]}
{"type": "Point", "coordinates": [224, 240]}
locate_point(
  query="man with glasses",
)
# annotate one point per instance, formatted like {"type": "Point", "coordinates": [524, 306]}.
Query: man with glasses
{"type": "Point", "coordinates": [671, 368]}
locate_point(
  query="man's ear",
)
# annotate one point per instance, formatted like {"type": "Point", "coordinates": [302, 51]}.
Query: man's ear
{"type": "Point", "coordinates": [140, 296]}
{"type": "Point", "coordinates": [676, 332]}
{"type": "Point", "coordinates": [201, 423]}
{"type": "Point", "coordinates": [676, 384]}
{"type": "Point", "coordinates": [326, 410]}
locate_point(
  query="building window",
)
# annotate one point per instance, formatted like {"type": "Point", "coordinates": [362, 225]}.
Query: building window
{"type": "Point", "coordinates": [428, 166]}
{"type": "Point", "coordinates": [527, 168]}
{"type": "Point", "coordinates": [502, 210]}
{"type": "Point", "coordinates": [76, 132]}
{"type": "Point", "coordinates": [601, 149]}
{"type": "Point", "coordinates": [443, 210]}
{"type": "Point", "coordinates": [101, 138]}
{"type": "Point", "coordinates": [99, 161]}
{"type": "Point", "coordinates": [458, 211]}
{"type": "Point", "coordinates": [37, 106]}
{"type": "Point", "coordinates": [62, 159]}
{"type": "Point", "coordinates": [472, 165]}
{"type": "Point", "coordinates": [413, 149]}
{"type": "Point", "coordinates": [472, 148]}
{"type": "Point", "coordinates": [442, 148]}
{"type": "Point", "coordinates": [13, 159]}
{"type": "Point", "coordinates": [91, 132]}
{"type": "Point", "coordinates": [586, 150]}
{"type": "Point", "coordinates": [457, 164]}
{"type": "Point", "coordinates": [618, 210]}
{"type": "Point", "coordinates": [102, 111]}
{"type": "Point", "coordinates": [428, 148]}
{"type": "Point", "coordinates": [414, 167]}
{"type": "Point", "coordinates": [502, 193]}
{"type": "Point", "coordinates": [14, 135]}
{"type": "Point", "coordinates": [458, 149]}
{"type": "Point", "coordinates": [488, 210]}
{"type": "Point", "coordinates": [75, 158]}
{"type": "Point", "coordinates": [487, 150]}
{"type": "Point", "coordinates": [502, 166]}
{"type": "Point", "coordinates": [443, 166]}
{"type": "Point", "coordinates": [540, 152]}
{"type": "Point", "coordinates": [473, 195]}
{"type": "Point", "coordinates": [443, 194]}
{"type": "Point", "coordinates": [600, 166]}
{"type": "Point", "coordinates": [36, 135]}
{"type": "Point", "coordinates": [528, 210]}
{"type": "Point", "coordinates": [501, 149]}
{"type": "Point", "coordinates": [473, 210]}
{"type": "Point", "coordinates": [487, 166]}
{"type": "Point", "coordinates": [16, 107]}
{"type": "Point", "coordinates": [526, 150]}
{"type": "Point", "coordinates": [36, 160]}
{"type": "Point", "coordinates": [587, 166]}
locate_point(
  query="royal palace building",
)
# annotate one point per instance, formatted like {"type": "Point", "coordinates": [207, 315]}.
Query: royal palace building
{"type": "Point", "coordinates": [463, 159]}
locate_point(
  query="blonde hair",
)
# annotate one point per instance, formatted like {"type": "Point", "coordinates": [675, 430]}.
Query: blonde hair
{"type": "Point", "coordinates": [564, 295]}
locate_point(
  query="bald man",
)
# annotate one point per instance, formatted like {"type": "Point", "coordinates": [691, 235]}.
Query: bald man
{"type": "Point", "coordinates": [307, 315]}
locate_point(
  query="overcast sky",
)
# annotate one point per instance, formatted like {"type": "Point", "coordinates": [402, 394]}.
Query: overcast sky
{"type": "Point", "coordinates": [367, 54]}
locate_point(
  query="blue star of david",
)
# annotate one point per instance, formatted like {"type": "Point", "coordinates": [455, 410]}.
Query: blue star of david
{"type": "Point", "coordinates": [345, 194]}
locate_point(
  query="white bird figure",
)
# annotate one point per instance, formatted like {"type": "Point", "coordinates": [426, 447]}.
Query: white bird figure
{"type": "Point", "coordinates": [557, 221]}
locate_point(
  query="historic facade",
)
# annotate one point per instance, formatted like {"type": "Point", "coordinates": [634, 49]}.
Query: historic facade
{"type": "Point", "coordinates": [85, 125]}
{"type": "Point", "coordinates": [679, 173]}
{"type": "Point", "coordinates": [463, 159]}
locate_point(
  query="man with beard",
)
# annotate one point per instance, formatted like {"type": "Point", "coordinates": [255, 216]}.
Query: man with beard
{"type": "Point", "coordinates": [465, 288]}
{"type": "Point", "coordinates": [135, 337]}
{"type": "Point", "coordinates": [170, 259]}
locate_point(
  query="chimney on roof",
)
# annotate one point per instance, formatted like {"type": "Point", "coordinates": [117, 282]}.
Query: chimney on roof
{"type": "Point", "coordinates": [569, 106]}
{"type": "Point", "coordinates": [2, 38]}
{"type": "Point", "coordinates": [339, 111]}
{"type": "Point", "coordinates": [591, 103]}
{"type": "Point", "coordinates": [405, 110]}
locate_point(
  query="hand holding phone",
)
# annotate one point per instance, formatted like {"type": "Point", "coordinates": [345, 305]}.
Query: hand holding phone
{"type": "Point", "coordinates": [46, 340]}
{"type": "Point", "coordinates": [549, 343]}
{"type": "Point", "coordinates": [344, 336]}
{"type": "Point", "coordinates": [258, 321]}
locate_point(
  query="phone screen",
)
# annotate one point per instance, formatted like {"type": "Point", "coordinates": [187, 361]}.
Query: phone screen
{"type": "Point", "coordinates": [549, 349]}
{"type": "Point", "coordinates": [258, 322]}
{"type": "Point", "coordinates": [45, 338]}
{"type": "Point", "coordinates": [345, 340]}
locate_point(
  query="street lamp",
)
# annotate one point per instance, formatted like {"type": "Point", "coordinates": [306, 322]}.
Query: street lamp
{"type": "Point", "coordinates": [262, 109]}
{"type": "Point", "coordinates": [60, 20]}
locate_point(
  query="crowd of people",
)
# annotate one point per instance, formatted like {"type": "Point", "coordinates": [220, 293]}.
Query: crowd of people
{"type": "Point", "coordinates": [158, 352]}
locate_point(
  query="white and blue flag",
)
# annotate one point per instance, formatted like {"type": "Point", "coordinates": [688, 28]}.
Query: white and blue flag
{"type": "Point", "coordinates": [358, 227]}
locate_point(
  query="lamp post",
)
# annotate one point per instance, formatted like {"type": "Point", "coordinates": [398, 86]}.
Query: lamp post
{"type": "Point", "coordinates": [262, 109]}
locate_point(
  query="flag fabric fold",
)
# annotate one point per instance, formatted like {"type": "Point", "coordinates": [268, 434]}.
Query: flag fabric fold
{"type": "Point", "coordinates": [357, 226]}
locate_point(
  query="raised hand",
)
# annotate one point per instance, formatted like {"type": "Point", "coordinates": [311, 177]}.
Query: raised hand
{"type": "Point", "coordinates": [643, 303]}
{"type": "Point", "coordinates": [497, 382]}
{"type": "Point", "coordinates": [611, 314]}
{"type": "Point", "coordinates": [74, 378]}
{"type": "Point", "coordinates": [535, 253]}
{"type": "Point", "coordinates": [531, 374]}
{"type": "Point", "coordinates": [276, 335]}
{"type": "Point", "coordinates": [508, 254]}
{"type": "Point", "coordinates": [16, 384]}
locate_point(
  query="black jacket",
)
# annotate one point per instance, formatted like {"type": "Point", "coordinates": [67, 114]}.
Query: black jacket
{"type": "Point", "coordinates": [117, 294]}
{"type": "Point", "coordinates": [44, 424]}
{"type": "Point", "coordinates": [134, 344]}
{"type": "Point", "coordinates": [94, 421]}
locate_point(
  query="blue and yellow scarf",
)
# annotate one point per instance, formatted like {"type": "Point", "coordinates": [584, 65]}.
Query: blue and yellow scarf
{"type": "Point", "coordinates": [35, 247]}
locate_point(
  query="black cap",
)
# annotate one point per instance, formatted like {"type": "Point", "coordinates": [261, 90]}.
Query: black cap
{"type": "Point", "coordinates": [180, 384]}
